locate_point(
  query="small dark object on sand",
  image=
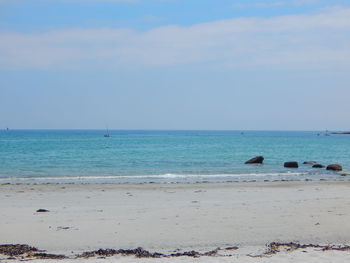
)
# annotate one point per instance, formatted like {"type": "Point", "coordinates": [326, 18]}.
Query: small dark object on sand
{"type": "Point", "coordinates": [291, 164]}
{"type": "Point", "coordinates": [317, 165]}
{"type": "Point", "coordinates": [255, 160]}
{"type": "Point", "coordinates": [42, 210]}
{"type": "Point", "coordinates": [334, 167]}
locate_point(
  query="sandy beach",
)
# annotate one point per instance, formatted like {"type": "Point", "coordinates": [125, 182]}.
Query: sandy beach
{"type": "Point", "coordinates": [239, 218]}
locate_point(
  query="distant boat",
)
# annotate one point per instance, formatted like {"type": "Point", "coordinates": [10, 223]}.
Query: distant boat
{"type": "Point", "coordinates": [106, 134]}
{"type": "Point", "coordinates": [348, 132]}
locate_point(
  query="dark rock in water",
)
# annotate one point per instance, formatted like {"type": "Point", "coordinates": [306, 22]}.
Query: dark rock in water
{"type": "Point", "coordinates": [42, 210]}
{"type": "Point", "coordinates": [334, 167]}
{"type": "Point", "coordinates": [291, 164]}
{"type": "Point", "coordinates": [317, 165]}
{"type": "Point", "coordinates": [257, 159]}
{"type": "Point", "coordinates": [310, 162]}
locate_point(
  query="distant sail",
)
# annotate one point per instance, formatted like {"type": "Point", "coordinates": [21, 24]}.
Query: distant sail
{"type": "Point", "coordinates": [106, 134]}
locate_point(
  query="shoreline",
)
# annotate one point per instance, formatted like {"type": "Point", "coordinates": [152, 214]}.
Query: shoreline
{"type": "Point", "coordinates": [338, 177]}
{"type": "Point", "coordinates": [175, 217]}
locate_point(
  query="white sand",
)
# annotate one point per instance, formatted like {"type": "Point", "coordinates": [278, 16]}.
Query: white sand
{"type": "Point", "coordinates": [162, 218]}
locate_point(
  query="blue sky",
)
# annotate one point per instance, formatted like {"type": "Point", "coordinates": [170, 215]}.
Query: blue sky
{"type": "Point", "coordinates": [171, 64]}
{"type": "Point", "coordinates": [42, 15]}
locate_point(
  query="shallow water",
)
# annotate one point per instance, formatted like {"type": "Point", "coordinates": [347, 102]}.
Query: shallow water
{"type": "Point", "coordinates": [41, 156]}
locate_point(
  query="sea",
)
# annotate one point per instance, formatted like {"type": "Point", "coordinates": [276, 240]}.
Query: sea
{"type": "Point", "coordinates": [167, 156]}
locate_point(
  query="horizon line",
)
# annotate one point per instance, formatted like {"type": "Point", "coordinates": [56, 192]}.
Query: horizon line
{"type": "Point", "coordinates": [94, 129]}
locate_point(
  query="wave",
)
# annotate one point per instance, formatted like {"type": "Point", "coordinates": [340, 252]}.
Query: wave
{"type": "Point", "coordinates": [152, 177]}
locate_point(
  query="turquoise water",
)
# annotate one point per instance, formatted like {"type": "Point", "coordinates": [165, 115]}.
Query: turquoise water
{"type": "Point", "coordinates": [165, 156]}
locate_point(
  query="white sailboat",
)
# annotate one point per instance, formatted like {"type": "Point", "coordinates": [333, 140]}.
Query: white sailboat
{"type": "Point", "coordinates": [106, 134]}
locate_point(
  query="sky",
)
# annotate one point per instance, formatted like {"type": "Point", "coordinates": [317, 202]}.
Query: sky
{"type": "Point", "coordinates": [175, 64]}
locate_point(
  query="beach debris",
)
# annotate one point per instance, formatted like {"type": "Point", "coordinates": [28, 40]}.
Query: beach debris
{"type": "Point", "coordinates": [317, 165]}
{"type": "Point", "coordinates": [195, 254]}
{"type": "Point", "coordinates": [141, 253]}
{"type": "Point", "coordinates": [26, 252]}
{"type": "Point", "coordinates": [231, 248]}
{"type": "Point", "coordinates": [310, 162]}
{"type": "Point", "coordinates": [334, 167]}
{"type": "Point", "coordinates": [20, 250]}
{"type": "Point", "coordinates": [62, 228]}
{"type": "Point", "coordinates": [138, 252]}
{"type": "Point", "coordinates": [291, 164]}
{"type": "Point", "coordinates": [48, 256]}
{"type": "Point", "coordinates": [255, 160]}
{"type": "Point", "coordinates": [276, 247]}
{"type": "Point", "coordinates": [41, 210]}
{"type": "Point", "coordinates": [16, 250]}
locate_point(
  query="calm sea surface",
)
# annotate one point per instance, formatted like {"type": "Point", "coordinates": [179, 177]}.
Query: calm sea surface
{"type": "Point", "coordinates": [85, 156]}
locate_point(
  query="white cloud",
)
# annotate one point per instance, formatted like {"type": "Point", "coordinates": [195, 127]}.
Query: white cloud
{"type": "Point", "coordinates": [306, 2]}
{"type": "Point", "coordinates": [277, 3]}
{"type": "Point", "coordinates": [259, 4]}
{"type": "Point", "coordinates": [295, 41]}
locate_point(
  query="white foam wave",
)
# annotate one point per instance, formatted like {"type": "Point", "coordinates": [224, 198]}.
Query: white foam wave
{"type": "Point", "coordinates": [153, 177]}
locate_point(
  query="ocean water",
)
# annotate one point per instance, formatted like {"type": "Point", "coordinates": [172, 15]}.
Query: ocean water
{"type": "Point", "coordinates": [85, 156]}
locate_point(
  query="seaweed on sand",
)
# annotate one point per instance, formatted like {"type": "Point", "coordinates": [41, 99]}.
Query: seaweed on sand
{"type": "Point", "coordinates": [142, 253]}
{"type": "Point", "coordinates": [276, 247]}
{"type": "Point", "coordinates": [16, 250]}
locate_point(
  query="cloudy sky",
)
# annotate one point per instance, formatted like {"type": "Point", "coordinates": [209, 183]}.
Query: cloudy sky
{"type": "Point", "coordinates": [175, 64]}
